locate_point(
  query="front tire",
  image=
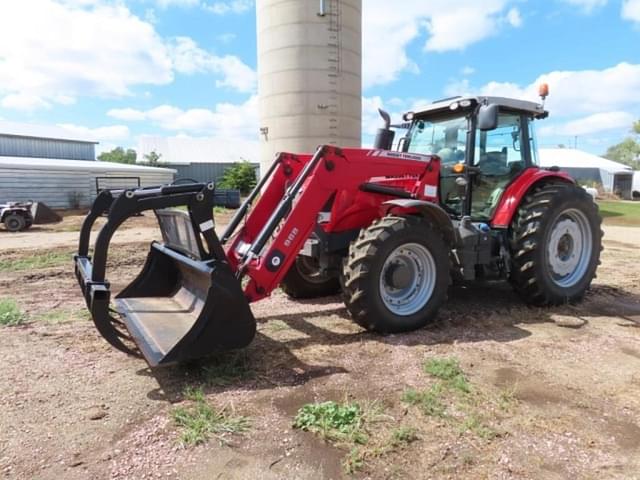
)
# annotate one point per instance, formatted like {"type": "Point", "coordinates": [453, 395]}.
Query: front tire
{"type": "Point", "coordinates": [556, 240]}
{"type": "Point", "coordinates": [304, 280]}
{"type": "Point", "coordinates": [396, 275]}
{"type": "Point", "coordinates": [14, 222]}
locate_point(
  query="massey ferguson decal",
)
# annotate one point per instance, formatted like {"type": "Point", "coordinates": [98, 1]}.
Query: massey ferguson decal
{"type": "Point", "coordinates": [401, 155]}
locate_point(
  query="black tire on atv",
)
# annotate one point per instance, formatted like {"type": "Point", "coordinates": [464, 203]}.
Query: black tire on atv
{"type": "Point", "coordinates": [555, 242]}
{"type": "Point", "coordinates": [303, 280]}
{"type": "Point", "coordinates": [14, 222]}
{"type": "Point", "coordinates": [396, 275]}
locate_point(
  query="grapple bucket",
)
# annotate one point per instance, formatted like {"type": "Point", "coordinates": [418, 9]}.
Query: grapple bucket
{"type": "Point", "coordinates": [186, 303]}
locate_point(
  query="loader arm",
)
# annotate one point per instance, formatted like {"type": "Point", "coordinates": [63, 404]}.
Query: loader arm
{"type": "Point", "coordinates": [273, 249]}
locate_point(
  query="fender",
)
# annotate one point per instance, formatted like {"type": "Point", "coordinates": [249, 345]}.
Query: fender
{"type": "Point", "coordinates": [429, 210]}
{"type": "Point", "coordinates": [515, 192]}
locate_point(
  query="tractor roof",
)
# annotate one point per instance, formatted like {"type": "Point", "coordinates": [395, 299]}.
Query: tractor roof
{"type": "Point", "coordinates": [535, 109]}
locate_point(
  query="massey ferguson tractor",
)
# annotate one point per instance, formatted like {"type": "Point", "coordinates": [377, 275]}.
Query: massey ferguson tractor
{"type": "Point", "coordinates": [461, 198]}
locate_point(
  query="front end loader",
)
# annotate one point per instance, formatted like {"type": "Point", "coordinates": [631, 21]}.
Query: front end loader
{"type": "Point", "coordinates": [461, 198]}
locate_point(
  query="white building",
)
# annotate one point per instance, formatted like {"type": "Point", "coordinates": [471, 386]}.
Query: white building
{"type": "Point", "coordinates": [613, 176]}
{"type": "Point", "coordinates": [70, 183]}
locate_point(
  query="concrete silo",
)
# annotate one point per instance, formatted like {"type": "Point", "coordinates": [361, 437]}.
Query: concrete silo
{"type": "Point", "coordinates": [309, 70]}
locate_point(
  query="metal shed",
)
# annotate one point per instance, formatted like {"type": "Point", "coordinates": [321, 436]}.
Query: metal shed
{"type": "Point", "coordinates": [38, 141]}
{"type": "Point", "coordinates": [613, 176]}
{"type": "Point", "coordinates": [70, 183]}
{"type": "Point", "coordinates": [204, 172]}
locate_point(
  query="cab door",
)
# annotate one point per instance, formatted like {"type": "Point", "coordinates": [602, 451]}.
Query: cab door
{"type": "Point", "coordinates": [500, 155]}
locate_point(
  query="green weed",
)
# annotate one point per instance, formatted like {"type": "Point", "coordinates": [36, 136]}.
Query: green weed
{"type": "Point", "coordinates": [350, 425]}
{"type": "Point", "coordinates": [403, 436]}
{"type": "Point", "coordinates": [201, 421]}
{"type": "Point", "coordinates": [429, 401]}
{"type": "Point", "coordinates": [10, 313]}
{"type": "Point", "coordinates": [35, 262]}
{"type": "Point", "coordinates": [448, 370]}
{"type": "Point", "coordinates": [474, 424]}
{"type": "Point", "coordinates": [341, 422]}
{"type": "Point", "coordinates": [452, 389]}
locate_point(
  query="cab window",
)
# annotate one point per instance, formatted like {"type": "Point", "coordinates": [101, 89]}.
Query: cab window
{"type": "Point", "coordinates": [445, 138]}
{"type": "Point", "coordinates": [499, 157]}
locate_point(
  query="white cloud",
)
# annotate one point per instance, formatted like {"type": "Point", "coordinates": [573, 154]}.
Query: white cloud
{"type": "Point", "coordinates": [112, 132]}
{"type": "Point", "coordinates": [587, 6]}
{"type": "Point", "coordinates": [226, 120]}
{"type": "Point", "coordinates": [514, 18]}
{"type": "Point", "coordinates": [230, 6]}
{"type": "Point", "coordinates": [177, 3]}
{"type": "Point", "coordinates": [55, 51]}
{"type": "Point", "coordinates": [126, 114]}
{"type": "Point", "coordinates": [24, 102]}
{"type": "Point", "coordinates": [579, 92]}
{"type": "Point", "coordinates": [466, 71]}
{"type": "Point", "coordinates": [585, 102]}
{"type": "Point", "coordinates": [598, 122]}
{"type": "Point", "coordinates": [188, 58]}
{"type": "Point", "coordinates": [631, 10]}
{"type": "Point", "coordinates": [449, 25]}
{"type": "Point", "coordinates": [77, 48]}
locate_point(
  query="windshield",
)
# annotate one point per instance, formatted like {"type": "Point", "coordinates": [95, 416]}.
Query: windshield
{"type": "Point", "coordinates": [445, 137]}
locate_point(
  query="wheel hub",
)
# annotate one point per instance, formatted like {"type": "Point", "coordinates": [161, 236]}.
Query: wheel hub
{"type": "Point", "coordinates": [569, 248]}
{"type": "Point", "coordinates": [399, 275]}
{"type": "Point", "coordinates": [408, 279]}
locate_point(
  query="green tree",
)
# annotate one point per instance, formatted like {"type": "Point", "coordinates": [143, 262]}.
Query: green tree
{"type": "Point", "coordinates": [118, 155]}
{"type": "Point", "coordinates": [152, 158]}
{"type": "Point", "coordinates": [627, 151]}
{"type": "Point", "coordinates": [241, 176]}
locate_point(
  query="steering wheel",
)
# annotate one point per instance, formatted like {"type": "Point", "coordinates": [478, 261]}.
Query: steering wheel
{"type": "Point", "coordinates": [493, 167]}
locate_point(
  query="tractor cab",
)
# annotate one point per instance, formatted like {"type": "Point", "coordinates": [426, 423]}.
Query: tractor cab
{"type": "Point", "coordinates": [483, 143]}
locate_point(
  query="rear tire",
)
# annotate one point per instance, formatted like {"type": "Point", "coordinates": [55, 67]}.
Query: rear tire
{"type": "Point", "coordinates": [304, 280]}
{"type": "Point", "coordinates": [14, 222]}
{"type": "Point", "coordinates": [556, 240]}
{"type": "Point", "coordinates": [396, 275]}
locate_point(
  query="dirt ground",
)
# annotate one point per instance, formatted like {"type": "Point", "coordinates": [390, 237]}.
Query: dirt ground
{"type": "Point", "coordinates": [74, 408]}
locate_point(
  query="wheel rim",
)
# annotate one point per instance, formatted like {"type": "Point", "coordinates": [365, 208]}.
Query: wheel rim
{"type": "Point", "coordinates": [408, 279]}
{"type": "Point", "coordinates": [569, 248]}
{"type": "Point", "coordinates": [309, 269]}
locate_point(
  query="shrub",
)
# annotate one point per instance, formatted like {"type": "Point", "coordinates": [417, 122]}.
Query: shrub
{"type": "Point", "coordinates": [241, 176]}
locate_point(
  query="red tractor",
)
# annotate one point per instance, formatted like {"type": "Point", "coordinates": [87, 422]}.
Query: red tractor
{"type": "Point", "coordinates": [461, 198]}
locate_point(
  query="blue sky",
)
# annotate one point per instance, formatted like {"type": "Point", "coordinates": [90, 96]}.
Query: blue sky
{"type": "Point", "coordinates": [120, 69]}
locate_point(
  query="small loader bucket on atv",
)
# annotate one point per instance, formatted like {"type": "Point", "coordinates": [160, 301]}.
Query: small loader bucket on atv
{"type": "Point", "coordinates": [186, 302]}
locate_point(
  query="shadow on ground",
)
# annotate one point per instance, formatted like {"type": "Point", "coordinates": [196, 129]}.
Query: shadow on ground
{"type": "Point", "coordinates": [473, 313]}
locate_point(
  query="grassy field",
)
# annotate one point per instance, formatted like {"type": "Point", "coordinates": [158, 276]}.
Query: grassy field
{"type": "Point", "coordinates": [620, 213]}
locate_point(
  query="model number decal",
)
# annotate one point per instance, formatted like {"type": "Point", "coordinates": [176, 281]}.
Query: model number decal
{"type": "Point", "coordinates": [291, 237]}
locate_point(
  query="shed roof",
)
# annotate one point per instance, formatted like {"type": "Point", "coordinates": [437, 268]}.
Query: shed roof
{"type": "Point", "coordinates": [28, 163]}
{"type": "Point", "coordinates": [52, 132]}
{"type": "Point", "coordinates": [571, 158]}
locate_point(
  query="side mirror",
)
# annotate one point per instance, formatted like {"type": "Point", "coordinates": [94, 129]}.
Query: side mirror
{"type": "Point", "coordinates": [488, 117]}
